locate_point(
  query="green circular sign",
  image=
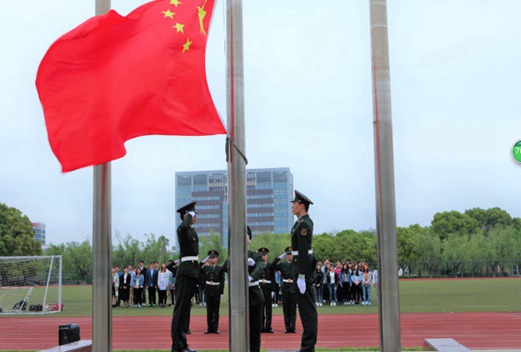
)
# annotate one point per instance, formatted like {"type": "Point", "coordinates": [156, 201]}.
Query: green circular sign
{"type": "Point", "coordinates": [516, 151]}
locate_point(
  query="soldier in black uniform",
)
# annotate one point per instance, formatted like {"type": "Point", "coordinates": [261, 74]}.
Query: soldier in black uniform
{"type": "Point", "coordinates": [256, 297]}
{"type": "Point", "coordinates": [186, 278]}
{"type": "Point", "coordinates": [267, 282]}
{"type": "Point", "coordinates": [213, 275]}
{"type": "Point", "coordinates": [303, 266]}
{"type": "Point", "coordinates": [289, 302]}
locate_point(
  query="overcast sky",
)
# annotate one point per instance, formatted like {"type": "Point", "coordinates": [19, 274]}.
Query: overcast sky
{"type": "Point", "coordinates": [456, 102]}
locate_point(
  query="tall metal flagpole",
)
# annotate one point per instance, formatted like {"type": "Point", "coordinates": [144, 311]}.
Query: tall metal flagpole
{"type": "Point", "coordinates": [102, 247]}
{"type": "Point", "coordinates": [389, 305]}
{"type": "Point", "coordinates": [238, 289]}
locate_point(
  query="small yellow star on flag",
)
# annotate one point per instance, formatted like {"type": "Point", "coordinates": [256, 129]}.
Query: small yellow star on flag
{"type": "Point", "coordinates": [186, 46]}
{"type": "Point", "coordinates": [179, 27]}
{"type": "Point", "coordinates": [168, 13]}
{"type": "Point", "coordinates": [175, 2]}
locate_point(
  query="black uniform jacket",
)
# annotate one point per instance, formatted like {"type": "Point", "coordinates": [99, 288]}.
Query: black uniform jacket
{"type": "Point", "coordinates": [255, 292]}
{"type": "Point", "coordinates": [268, 274]}
{"type": "Point", "coordinates": [188, 247]}
{"type": "Point", "coordinates": [213, 274]}
{"type": "Point", "coordinates": [301, 241]}
{"type": "Point", "coordinates": [286, 271]}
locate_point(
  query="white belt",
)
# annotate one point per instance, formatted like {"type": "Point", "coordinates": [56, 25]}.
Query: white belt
{"type": "Point", "coordinates": [190, 259]}
{"type": "Point", "coordinates": [266, 282]}
{"type": "Point", "coordinates": [289, 281]}
{"type": "Point", "coordinates": [296, 252]}
{"type": "Point", "coordinates": [254, 283]}
{"type": "Point", "coordinates": [212, 283]}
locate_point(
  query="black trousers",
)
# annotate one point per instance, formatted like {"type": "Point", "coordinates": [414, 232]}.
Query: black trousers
{"type": "Point", "coordinates": [213, 303]}
{"type": "Point", "coordinates": [267, 311]}
{"type": "Point", "coordinates": [151, 295]}
{"type": "Point", "coordinates": [309, 317]}
{"type": "Point", "coordinates": [185, 288]}
{"type": "Point", "coordinates": [162, 297]}
{"type": "Point", "coordinates": [255, 326]}
{"type": "Point", "coordinates": [289, 307]}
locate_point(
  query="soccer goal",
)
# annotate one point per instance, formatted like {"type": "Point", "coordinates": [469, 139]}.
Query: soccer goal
{"type": "Point", "coordinates": [30, 285]}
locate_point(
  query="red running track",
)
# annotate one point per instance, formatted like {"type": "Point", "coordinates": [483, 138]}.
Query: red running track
{"type": "Point", "coordinates": [474, 330]}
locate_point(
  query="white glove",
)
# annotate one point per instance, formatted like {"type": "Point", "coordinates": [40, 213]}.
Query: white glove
{"type": "Point", "coordinates": [251, 262]}
{"type": "Point", "coordinates": [221, 296]}
{"type": "Point", "coordinates": [301, 283]}
{"type": "Point", "coordinates": [177, 261]}
{"type": "Point", "coordinates": [192, 213]}
{"type": "Point", "coordinates": [272, 294]}
{"type": "Point", "coordinates": [206, 259]}
{"type": "Point", "coordinates": [250, 278]}
{"type": "Point", "coordinates": [282, 255]}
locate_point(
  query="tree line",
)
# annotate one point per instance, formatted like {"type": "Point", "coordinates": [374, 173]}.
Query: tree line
{"type": "Point", "coordinates": [477, 242]}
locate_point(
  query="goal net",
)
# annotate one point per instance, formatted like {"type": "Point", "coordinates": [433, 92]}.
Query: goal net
{"type": "Point", "coordinates": [30, 285]}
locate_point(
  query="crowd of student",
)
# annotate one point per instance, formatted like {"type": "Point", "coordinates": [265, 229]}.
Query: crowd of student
{"type": "Point", "coordinates": [131, 287]}
{"type": "Point", "coordinates": [343, 282]}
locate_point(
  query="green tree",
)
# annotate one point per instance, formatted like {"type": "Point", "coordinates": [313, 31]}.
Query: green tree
{"type": "Point", "coordinates": [429, 252]}
{"type": "Point", "coordinates": [128, 251]}
{"type": "Point", "coordinates": [407, 244]}
{"type": "Point", "coordinates": [276, 243]}
{"type": "Point", "coordinates": [455, 252]}
{"type": "Point", "coordinates": [77, 261]}
{"type": "Point", "coordinates": [490, 218]}
{"type": "Point", "coordinates": [323, 246]}
{"type": "Point", "coordinates": [516, 222]}
{"type": "Point", "coordinates": [155, 249]}
{"type": "Point", "coordinates": [507, 245]}
{"type": "Point", "coordinates": [17, 234]}
{"type": "Point", "coordinates": [213, 241]}
{"type": "Point", "coordinates": [453, 222]}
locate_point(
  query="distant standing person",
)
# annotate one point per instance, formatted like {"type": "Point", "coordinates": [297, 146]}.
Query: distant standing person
{"type": "Point", "coordinates": [289, 302]}
{"type": "Point", "coordinates": [151, 282]}
{"type": "Point", "coordinates": [213, 275]}
{"type": "Point", "coordinates": [304, 266]}
{"type": "Point", "coordinates": [266, 283]}
{"type": "Point", "coordinates": [186, 278]}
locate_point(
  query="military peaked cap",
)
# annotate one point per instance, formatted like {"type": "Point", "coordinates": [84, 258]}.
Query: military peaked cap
{"type": "Point", "coordinates": [287, 250]}
{"type": "Point", "coordinates": [213, 253]}
{"type": "Point", "coordinates": [301, 198]}
{"type": "Point", "coordinates": [263, 250]}
{"type": "Point", "coordinates": [187, 208]}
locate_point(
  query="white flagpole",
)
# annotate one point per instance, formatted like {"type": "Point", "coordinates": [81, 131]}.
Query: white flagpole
{"type": "Point", "coordinates": [238, 287]}
{"type": "Point", "coordinates": [102, 247]}
{"type": "Point", "coordinates": [389, 304]}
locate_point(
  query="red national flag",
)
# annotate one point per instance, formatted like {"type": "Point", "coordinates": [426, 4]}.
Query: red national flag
{"type": "Point", "coordinates": [115, 78]}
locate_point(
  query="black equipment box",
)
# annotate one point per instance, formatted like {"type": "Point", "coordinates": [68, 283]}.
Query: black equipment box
{"type": "Point", "coordinates": [68, 333]}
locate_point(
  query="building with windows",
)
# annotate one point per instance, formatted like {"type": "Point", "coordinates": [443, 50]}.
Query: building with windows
{"type": "Point", "coordinates": [39, 232]}
{"type": "Point", "coordinates": [269, 192]}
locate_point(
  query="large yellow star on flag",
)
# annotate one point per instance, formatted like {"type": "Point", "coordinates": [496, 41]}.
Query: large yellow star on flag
{"type": "Point", "coordinates": [186, 46]}
{"type": "Point", "coordinates": [179, 27]}
{"type": "Point", "coordinates": [168, 13]}
{"type": "Point", "coordinates": [201, 13]}
{"type": "Point", "coordinates": [175, 2]}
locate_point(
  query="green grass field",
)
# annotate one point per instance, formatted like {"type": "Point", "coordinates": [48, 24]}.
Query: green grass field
{"type": "Point", "coordinates": [416, 296]}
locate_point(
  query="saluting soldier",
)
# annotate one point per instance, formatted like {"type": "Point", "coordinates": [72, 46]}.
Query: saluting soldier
{"type": "Point", "coordinates": [213, 276]}
{"type": "Point", "coordinates": [303, 266]}
{"type": "Point", "coordinates": [186, 277]}
{"type": "Point", "coordinates": [289, 302]}
{"type": "Point", "coordinates": [267, 282]}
